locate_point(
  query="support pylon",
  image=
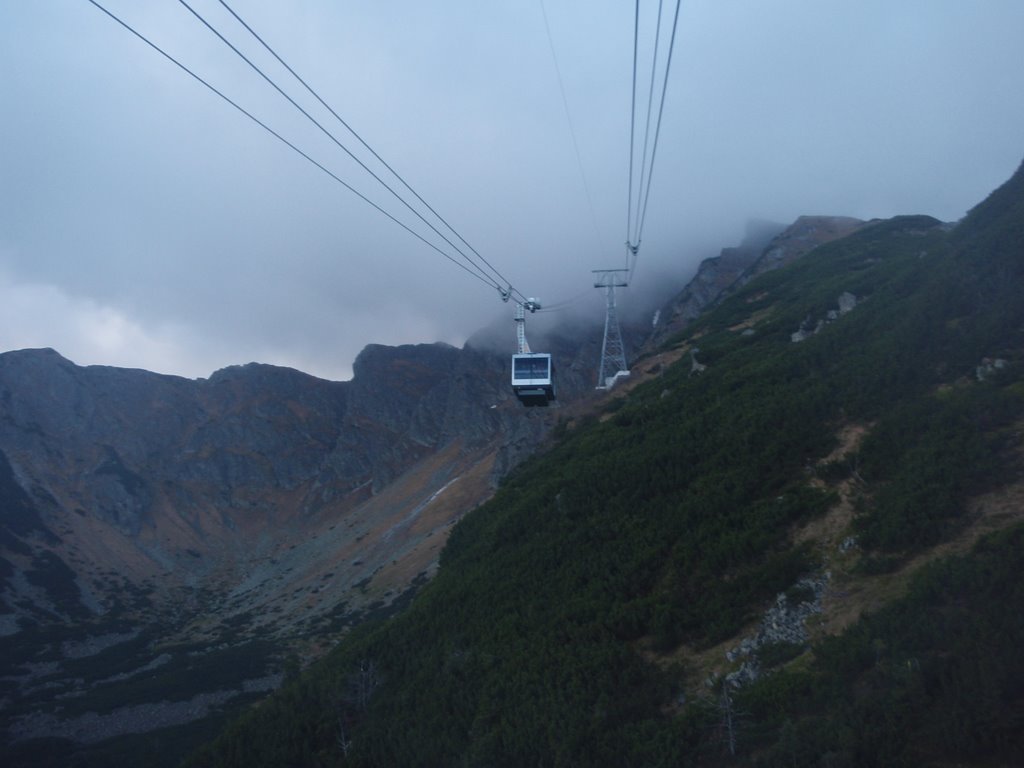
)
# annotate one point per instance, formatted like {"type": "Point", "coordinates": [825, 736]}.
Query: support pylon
{"type": "Point", "coordinates": [613, 355]}
{"type": "Point", "coordinates": [522, 345]}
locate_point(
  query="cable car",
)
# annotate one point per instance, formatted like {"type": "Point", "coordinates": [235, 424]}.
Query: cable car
{"type": "Point", "coordinates": [532, 378]}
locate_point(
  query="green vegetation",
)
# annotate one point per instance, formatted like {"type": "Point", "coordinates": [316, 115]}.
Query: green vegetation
{"type": "Point", "coordinates": [669, 522]}
{"type": "Point", "coordinates": [926, 459]}
{"type": "Point", "coordinates": [120, 676]}
{"type": "Point", "coordinates": [156, 749]}
{"type": "Point", "coordinates": [53, 575]}
{"type": "Point", "coordinates": [935, 676]}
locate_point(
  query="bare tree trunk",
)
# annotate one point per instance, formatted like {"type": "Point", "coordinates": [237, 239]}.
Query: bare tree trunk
{"type": "Point", "coordinates": [344, 740]}
{"type": "Point", "coordinates": [728, 719]}
{"type": "Point", "coordinates": [364, 682]}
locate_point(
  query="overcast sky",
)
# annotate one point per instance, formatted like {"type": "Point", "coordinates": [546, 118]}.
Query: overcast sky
{"type": "Point", "coordinates": [145, 223]}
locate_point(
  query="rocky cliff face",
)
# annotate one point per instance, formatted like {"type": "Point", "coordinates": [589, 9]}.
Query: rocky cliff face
{"type": "Point", "coordinates": [799, 238]}
{"type": "Point", "coordinates": [170, 480]}
{"type": "Point", "coordinates": [765, 247]}
{"type": "Point", "coordinates": [713, 277]}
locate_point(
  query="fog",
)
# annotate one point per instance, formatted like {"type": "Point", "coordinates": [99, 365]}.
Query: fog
{"type": "Point", "coordinates": [146, 223]}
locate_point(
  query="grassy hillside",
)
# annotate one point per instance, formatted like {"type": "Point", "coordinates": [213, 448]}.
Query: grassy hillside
{"type": "Point", "coordinates": [560, 626]}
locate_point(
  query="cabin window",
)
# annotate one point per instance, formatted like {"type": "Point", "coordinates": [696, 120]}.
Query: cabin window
{"type": "Point", "coordinates": [530, 368]}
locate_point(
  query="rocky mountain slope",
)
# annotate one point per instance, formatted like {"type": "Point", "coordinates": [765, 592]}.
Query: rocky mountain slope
{"type": "Point", "coordinates": [174, 479]}
{"type": "Point", "coordinates": [150, 520]}
{"type": "Point", "coordinates": [765, 247]}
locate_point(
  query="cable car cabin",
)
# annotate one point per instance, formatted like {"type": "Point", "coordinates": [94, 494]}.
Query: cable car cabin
{"type": "Point", "coordinates": [532, 379]}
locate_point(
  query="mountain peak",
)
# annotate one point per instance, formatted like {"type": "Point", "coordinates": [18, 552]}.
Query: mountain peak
{"type": "Point", "coordinates": [36, 354]}
{"type": "Point", "coordinates": [997, 218]}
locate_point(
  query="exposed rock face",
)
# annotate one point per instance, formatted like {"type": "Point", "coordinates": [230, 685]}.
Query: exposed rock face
{"type": "Point", "coordinates": [766, 247]}
{"type": "Point", "coordinates": [714, 277]}
{"type": "Point", "coordinates": [168, 480]}
{"type": "Point", "coordinates": [989, 367]}
{"type": "Point", "coordinates": [846, 302]}
{"type": "Point", "coordinates": [802, 236]}
{"type": "Point", "coordinates": [783, 623]}
{"type": "Point", "coordinates": [396, 408]}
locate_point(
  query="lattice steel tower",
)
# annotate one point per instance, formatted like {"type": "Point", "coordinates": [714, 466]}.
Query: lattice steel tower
{"type": "Point", "coordinates": [613, 355]}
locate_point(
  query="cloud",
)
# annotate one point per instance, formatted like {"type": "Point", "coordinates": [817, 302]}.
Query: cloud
{"type": "Point", "coordinates": [41, 315]}
{"type": "Point", "coordinates": [89, 332]}
{"type": "Point", "coordinates": [164, 230]}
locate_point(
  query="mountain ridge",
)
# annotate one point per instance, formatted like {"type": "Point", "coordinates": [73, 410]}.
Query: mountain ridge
{"type": "Point", "coordinates": [765, 247]}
